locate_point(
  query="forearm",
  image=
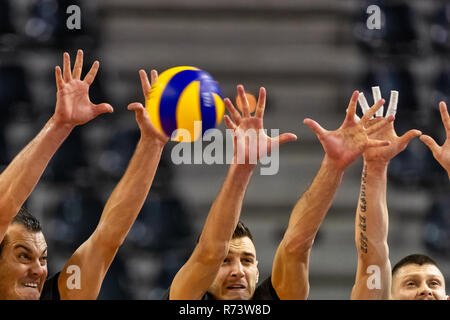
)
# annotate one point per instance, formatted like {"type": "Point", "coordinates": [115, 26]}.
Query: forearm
{"type": "Point", "coordinates": [22, 174]}
{"type": "Point", "coordinates": [225, 211]}
{"type": "Point", "coordinates": [371, 221]}
{"type": "Point", "coordinates": [371, 229]}
{"type": "Point", "coordinates": [127, 199]}
{"type": "Point", "coordinates": [310, 210]}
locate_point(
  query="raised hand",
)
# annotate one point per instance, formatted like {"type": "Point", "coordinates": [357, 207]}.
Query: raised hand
{"type": "Point", "coordinates": [344, 145]}
{"type": "Point", "coordinates": [398, 144]}
{"type": "Point", "coordinates": [441, 153]}
{"type": "Point", "coordinates": [73, 106]}
{"type": "Point", "coordinates": [142, 117]}
{"type": "Point", "coordinates": [247, 150]}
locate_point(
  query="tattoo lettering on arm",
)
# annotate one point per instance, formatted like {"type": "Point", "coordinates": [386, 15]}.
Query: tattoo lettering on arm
{"type": "Point", "coordinates": [363, 207]}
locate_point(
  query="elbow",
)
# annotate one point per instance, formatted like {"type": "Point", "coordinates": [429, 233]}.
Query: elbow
{"type": "Point", "coordinates": [212, 253]}
{"type": "Point", "coordinates": [297, 246]}
{"type": "Point", "coordinates": [107, 241]}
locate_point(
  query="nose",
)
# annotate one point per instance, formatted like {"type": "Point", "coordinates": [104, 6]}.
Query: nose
{"type": "Point", "coordinates": [37, 269]}
{"type": "Point", "coordinates": [238, 270]}
{"type": "Point", "coordinates": [424, 291]}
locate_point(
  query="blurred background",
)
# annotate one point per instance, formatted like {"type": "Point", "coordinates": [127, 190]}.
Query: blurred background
{"type": "Point", "coordinates": [309, 55]}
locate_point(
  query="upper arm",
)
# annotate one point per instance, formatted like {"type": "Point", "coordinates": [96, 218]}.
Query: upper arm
{"type": "Point", "coordinates": [196, 276]}
{"type": "Point", "coordinates": [83, 274]}
{"type": "Point", "coordinates": [290, 272]}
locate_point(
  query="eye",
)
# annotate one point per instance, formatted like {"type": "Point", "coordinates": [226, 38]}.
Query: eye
{"type": "Point", "coordinates": [434, 283]}
{"type": "Point", "coordinates": [410, 284]}
{"type": "Point", "coordinates": [24, 256]}
{"type": "Point", "coordinates": [247, 261]}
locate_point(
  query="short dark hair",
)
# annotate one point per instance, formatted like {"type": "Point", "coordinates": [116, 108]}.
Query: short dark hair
{"type": "Point", "coordinates": [241, 231]}
{"type": "Point", "coordinates": [27, 220]}
{"type": "Point", "coordinates": [419, 259]}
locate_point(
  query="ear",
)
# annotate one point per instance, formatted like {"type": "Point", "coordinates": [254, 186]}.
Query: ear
{"type": "Point", "coordinates": [257, 272]}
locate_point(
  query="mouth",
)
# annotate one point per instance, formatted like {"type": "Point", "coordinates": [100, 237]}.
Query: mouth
{"type": "Point", "coordinates": [32, 285]}
{"type": "Point", "coordinates": [236, 287]}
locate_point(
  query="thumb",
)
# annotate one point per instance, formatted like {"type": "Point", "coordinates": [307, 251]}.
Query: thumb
{"type": "Point", "coordinates": [103, 108]}
{"type": "Point", "coordinates": [430, 143]}
{"type": "Point", "coordinates": [284, 138]}
{"type": "Point", "coordinates": [408, 136]}
{"type": "Point", "coordinates": [314, 126]}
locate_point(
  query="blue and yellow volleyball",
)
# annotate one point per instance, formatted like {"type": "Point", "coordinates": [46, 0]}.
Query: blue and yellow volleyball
{"type": "Point", "coordinates": [182, 96]}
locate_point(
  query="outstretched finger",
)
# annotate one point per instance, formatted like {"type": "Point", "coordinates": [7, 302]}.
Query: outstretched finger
{"type": "Point", "coordinates": [78, 65]}
{"type": "Point", "coordinates": [58, 77]}
{"type": "Point", "coordinates": [380, 124]}
{"type": "Point", "coordinates": [351, 109]}
{"type": "Point", "coordinates": [233, 112]}
{"type": "Point", "coordinates": [408, 136]}
{"type": "Point", "coordinates": [430, 143]}
{"type": "Point", "coordinates": [230, 124]}
{"type": "Point", "coordinates": [92, 73]}
{"type": "Point", "coordinates": [283, 138]}
{"type": "Point", "coordinates": [368, 115]}
{"type": "Point", "coordinates": [260, 107]}
{"type": "Point", "coordinates": [314, 126]}
{"type": "Point", "coordinates": [67, 72]}
{"type": "Point", "coordinates": [153, 76]}
{"type": "Point", "coordinates": [144, 83]}
{"type": "Point", "coordinates": [445, 117]}
{"type": "Point", "coordinates": [103, 108]}
{"type": "Point", "coordinates": [244, 101]}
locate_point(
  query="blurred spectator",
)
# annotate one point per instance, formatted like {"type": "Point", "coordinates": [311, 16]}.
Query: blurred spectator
{"type": "Point", "coordinates": [440, 28]}
{"type": "Point", "coordinates": [437, 226]}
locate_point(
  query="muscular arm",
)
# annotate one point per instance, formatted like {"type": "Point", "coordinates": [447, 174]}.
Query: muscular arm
{"type": "Point", "coordinates": [290, 271]}
{"type": "Point", "coordinates": [22, 174]}
{"type": "Point", "coordinates": [95, 255]}
{"type": "Point", "coordinates": [73, 108]}
{"type": "Point", "coordinates": [373, 275]}
{"type": "Point", "coordinates": [196, 276]}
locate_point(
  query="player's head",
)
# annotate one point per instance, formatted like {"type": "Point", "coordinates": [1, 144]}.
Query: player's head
{"type": "Point", "coordinates": [238, 274]}
{"type": "Point", "coordinates": [417, 277]}
{"type": "Point", "coordinates": [23, 259]}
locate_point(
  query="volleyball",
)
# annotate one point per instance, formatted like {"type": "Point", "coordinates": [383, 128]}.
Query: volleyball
{"type": "Point", "coordinates": [185, 98]}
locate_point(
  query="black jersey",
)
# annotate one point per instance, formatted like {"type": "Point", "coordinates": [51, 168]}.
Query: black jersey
{"type": "Point", "coordinates": [264, 291]}
{"type": "Point", "coordinates": [50, 290]}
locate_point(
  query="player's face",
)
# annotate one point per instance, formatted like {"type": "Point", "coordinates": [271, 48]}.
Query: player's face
{"type": "Point", "coordinates": [23, 264]}
{"type": "Point", "coordinates": [415, 282]}
{"type": "Point", "coordinates": [238, 273]}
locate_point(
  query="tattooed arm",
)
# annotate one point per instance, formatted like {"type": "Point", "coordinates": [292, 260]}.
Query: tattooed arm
{"type": "Point", "coordinates": [373, 275]}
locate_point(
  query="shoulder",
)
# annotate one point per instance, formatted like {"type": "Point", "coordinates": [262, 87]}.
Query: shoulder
{"type": "Point", "coordinates": [50, 290]}
{"type": "Point", "coordinates": [265, 291]}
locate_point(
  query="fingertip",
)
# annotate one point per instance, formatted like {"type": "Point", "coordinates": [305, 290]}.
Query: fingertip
{"type": "Point", "coordinates": [391, 118]}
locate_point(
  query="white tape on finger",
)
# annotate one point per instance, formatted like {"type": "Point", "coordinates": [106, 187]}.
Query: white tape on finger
{"type": "Point", "coordinates": [376, 92]}
{"type": "Point", "coordinates": [393, 101]}
{"type": "Point", "coordinates": [363, 103]}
